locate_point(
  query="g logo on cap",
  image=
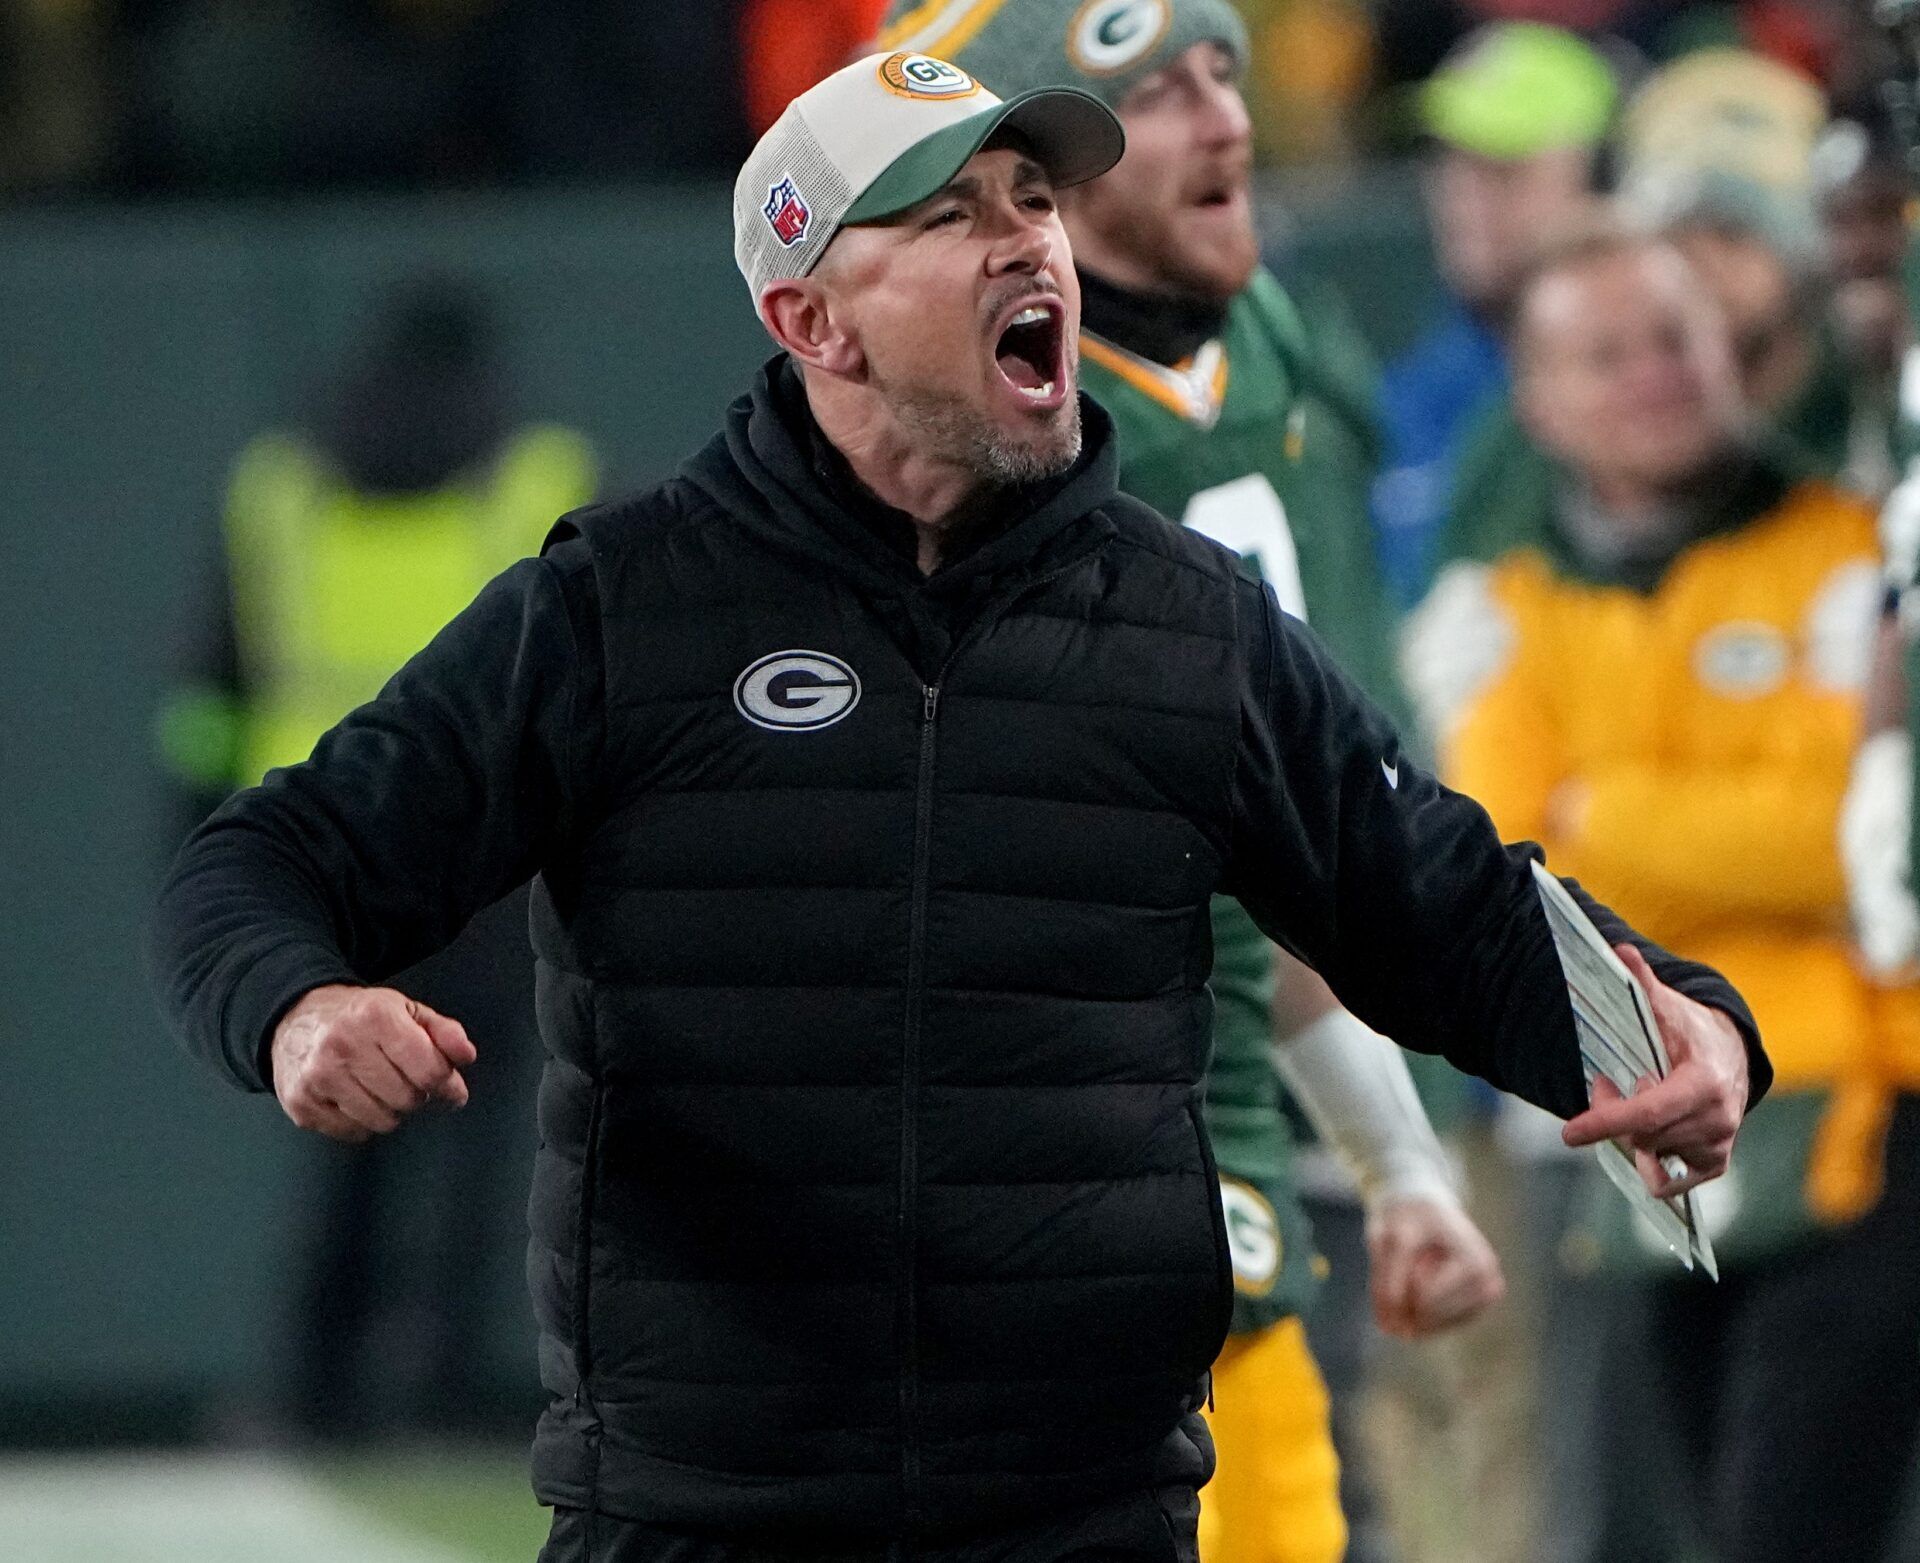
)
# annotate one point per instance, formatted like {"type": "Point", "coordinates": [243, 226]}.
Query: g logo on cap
{"type": "Point", "coordinates": [796, 691]}
{"type": "Point", "coordinates": [922, 76]}
{"type": "Point", "coordinates": [1106, 36]}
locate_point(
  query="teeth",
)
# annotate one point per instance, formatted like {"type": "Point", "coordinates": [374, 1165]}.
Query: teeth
{"type": "Point", "coordinates": [1031, 316]}
{"type": "Point", "coordinates": [1039, 392]}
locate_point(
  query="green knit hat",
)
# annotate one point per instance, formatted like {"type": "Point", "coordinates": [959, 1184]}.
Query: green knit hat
{"type": "Point", "coordinates": [1101, 46]}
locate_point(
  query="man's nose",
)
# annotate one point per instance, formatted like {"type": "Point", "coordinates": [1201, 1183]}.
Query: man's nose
{"type": "Point", "coordinates": [1025, 249]}
{"type": "Point", "coordinates": [1224, 117]}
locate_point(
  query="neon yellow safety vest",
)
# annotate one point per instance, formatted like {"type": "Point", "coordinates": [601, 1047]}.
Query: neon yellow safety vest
{"type": "Point", "coordinates": [334, 590]}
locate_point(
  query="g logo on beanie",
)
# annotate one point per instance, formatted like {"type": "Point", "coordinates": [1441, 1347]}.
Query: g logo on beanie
{"type": "Point", "coordinates": [1107, 36]}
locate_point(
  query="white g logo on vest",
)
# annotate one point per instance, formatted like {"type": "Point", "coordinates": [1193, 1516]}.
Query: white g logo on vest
{"type": "Point", "coordinates": [796, 691]}
{"type": "Point", "coordinates": [1110, 35]}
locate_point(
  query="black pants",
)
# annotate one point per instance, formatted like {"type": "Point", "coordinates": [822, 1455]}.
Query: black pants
{"type": "Point", "coordinates": [1154, 1527]}
{"type": "Point", "coordinates": [1796, 1383]}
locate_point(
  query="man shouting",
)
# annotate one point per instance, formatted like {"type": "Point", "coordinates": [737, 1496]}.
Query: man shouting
{"type": "Point", "coordinates": [877, 772]}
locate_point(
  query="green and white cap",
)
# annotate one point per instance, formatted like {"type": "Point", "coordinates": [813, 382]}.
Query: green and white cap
{"type": "Point", "coordinates": [883, 134]}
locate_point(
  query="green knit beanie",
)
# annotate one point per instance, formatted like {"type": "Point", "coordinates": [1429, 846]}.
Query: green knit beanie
{"type": "Point", "coordinates": [1100, 46]}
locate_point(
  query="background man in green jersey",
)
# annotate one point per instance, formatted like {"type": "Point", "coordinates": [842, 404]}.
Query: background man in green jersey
{"type": "Point", "coordinates": [1233, 417]}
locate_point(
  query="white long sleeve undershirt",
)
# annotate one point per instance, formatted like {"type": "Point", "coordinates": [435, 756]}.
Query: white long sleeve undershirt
{"type": "Point", "coordinates": [1354, 1087]}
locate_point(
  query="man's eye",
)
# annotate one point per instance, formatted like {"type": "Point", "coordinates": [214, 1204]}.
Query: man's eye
{"type": "Point", "coordinates": [943, 219]}
{"type": "Point", "coordinates": [1039, 203]}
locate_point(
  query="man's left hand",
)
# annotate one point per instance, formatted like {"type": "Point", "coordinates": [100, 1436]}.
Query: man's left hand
{"type": "Point", "coordinates": [1694, 1113]}
{"type": "Point", "coordinates": [1430, 1267]}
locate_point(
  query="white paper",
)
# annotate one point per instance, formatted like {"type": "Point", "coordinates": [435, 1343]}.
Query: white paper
{"type": "Point", "coordinates": [1619, 1039]}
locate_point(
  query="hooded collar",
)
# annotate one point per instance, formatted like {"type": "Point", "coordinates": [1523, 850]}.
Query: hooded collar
{"type": "Point", "coordinates": [1165, 329]}
{"type": "Point", "coordinates": [775, 470]}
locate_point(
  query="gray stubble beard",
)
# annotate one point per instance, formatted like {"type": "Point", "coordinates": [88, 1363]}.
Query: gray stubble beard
{"type": "Point", "coordinates": [958, 434]}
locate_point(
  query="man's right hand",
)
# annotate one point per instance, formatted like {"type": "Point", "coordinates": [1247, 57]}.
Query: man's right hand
{"type": "Point", "coordinates": [350, 1062]}
{"type": "Point", "coordinates": [1694, 1112]}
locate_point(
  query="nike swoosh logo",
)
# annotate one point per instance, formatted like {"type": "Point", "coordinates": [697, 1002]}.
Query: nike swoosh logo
{"type": "Point", "coordinates": [1392, 774]}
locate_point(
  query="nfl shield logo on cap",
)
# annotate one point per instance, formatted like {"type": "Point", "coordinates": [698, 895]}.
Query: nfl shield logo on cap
{"type": "Point", "coordinates": [786, 213]}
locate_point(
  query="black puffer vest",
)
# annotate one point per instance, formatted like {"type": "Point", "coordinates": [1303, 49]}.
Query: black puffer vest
{"type": "Point", "coordinates": [873, 1198]}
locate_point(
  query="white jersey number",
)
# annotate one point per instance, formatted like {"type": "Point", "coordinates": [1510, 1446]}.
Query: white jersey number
{"type": "Point", "coordinates": [1246, 515]}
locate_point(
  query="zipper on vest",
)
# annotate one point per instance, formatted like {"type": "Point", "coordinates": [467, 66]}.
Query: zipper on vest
{"type": "Point", "coordinates": [908, 1309]}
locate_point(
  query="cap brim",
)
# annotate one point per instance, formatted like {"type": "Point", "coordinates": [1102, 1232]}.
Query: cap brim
{"type": "Point", "coordinates": [1072, 134]}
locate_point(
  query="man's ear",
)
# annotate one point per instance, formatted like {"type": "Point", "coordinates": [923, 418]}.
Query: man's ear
{"type": "Point", "coordinates": [802, 318]}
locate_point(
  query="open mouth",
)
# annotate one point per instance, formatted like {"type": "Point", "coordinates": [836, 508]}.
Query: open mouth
{"type": "Point", "coordinates": [1029, 351]}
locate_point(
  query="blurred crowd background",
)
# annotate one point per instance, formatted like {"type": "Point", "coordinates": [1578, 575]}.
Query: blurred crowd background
{"type": "Point", "coordinates": [175, 97]}
{"type": "Point", "coordinates": [253, 248]}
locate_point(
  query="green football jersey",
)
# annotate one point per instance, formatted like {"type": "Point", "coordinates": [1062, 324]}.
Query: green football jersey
{"type": "Point", "coordinates": [1263, 441]}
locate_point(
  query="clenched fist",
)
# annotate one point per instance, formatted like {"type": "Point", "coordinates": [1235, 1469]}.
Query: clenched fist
{"type": "Point", "coordinates": [1429, 1267]}
{"type": "Point", "coordinates": [350, 1062]}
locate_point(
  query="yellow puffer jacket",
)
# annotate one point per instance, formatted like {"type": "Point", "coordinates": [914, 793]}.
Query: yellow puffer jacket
{"type": "Point", "coordinates": [1683, 753]}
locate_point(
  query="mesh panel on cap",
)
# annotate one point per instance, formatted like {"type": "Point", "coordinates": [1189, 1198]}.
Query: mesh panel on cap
{"type": "Point", "coordinates": [788, 151]}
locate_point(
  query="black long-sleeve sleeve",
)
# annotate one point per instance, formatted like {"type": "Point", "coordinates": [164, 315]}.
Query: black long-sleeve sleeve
{"type": "Point", "coordinates": [416, 812]}
{"type": "Point", "coordinates": [1399, 892]}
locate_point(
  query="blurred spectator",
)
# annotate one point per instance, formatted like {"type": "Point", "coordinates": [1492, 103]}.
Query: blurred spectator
{"type": "Point", "coordinates": [1863, 186]}
{"type": "Point", "coordinates": [348, 544]}
{"type": "Point", "coordinates": [195, 95]}
{"type": "Point", "coordinates": [1861, 176]}
{"type": "Point", "coordinates": [1664, 690]}
{"type": "Point", "coordinates": [1724, 112]}
{"type": "Point", "coordinates": [1718, 151]}
{"type": "Point", "coordinates": [1517, 115]}
{"type": "Point", "coordinates": [1827, 39]}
